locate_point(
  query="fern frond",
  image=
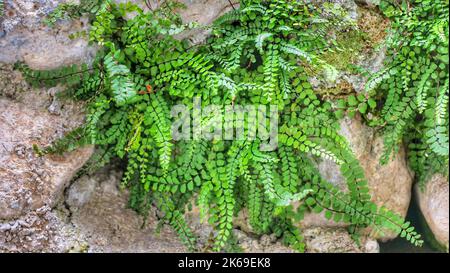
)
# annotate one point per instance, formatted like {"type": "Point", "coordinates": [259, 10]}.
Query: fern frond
{"type": "Point", "coordinates": [176, 220]}
{"type": "Point", "coordinates": [292, 49]}
{"type": "Point", "coordinates": [260, 40]}
{"type": "Point", "coordinates": [442, 104]}
{"type": "Point", "coordinates": [422, 90]}
{"type": "Point", "coordinates": [2, 6]}
{"type": "Point", "coordinates": [157, 118]}
{"type": "Point", "coordinates": [122, 85]}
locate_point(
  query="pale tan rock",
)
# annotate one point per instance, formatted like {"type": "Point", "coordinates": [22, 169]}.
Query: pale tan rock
{"type": "Point", "coordinates": [390, 185]}
{"type": "Point", "coordinates": [336, 240]}
{"type": "Point", "coordinates": [28, 40]}
{"type": "Point", "coordinates": [203, 12]}
{"type": "Point", "coordinates": [434, 205]}
{"type": "Point", "coordinates": [102, 222]}
{"type": "Point", "coordinates": [104, 218]}
{"type": "Point", "coordinates": [28, 182]}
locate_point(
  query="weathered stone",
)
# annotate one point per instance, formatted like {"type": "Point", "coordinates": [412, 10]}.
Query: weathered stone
{"type": "Point", "coordinates": [80, 192]}
{"type": "Point", "coordinates": [196, 12]}
{"type": "Point", "coordinates": [390, 185]}
{"type": "Point", "coordinates": [335, 240]}
{"type": "Point", "coordinates": [434, 205]}
{"type": "Point", "coordinates": [28, 40]}
{"type": "Point", "coordinates": [102, 222]}
{"type": "Point", "coordinates": [323, 236]}
{"type": "Point", "coordinates": [104, 218]}
{"type": "Point", "coordinates": [370, 3]}
{"type": "Point", "coordinates": [36, 231]}
{"type": "Point", "coordinates": [28, 182]}
{"type": "Point", "coordinates": [204, 12]}
{"type": "Point", "coordinates": [33, 116]}
{"type": "Point", "coordinates": [25, 13]}
{"type": "Point", "coordinates": [265, 244]}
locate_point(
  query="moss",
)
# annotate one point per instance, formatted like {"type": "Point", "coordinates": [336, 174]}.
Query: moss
{"type": "Point", "coordinates": [341, 90]}
{"type": "Point", "coordinates": [351, 45]}
{"type": "Point", "coordinates": [11, 83]}
{"type": "Point", "coordinates": [79, 248]}
{"type": "Point", "coordinates": [374, 25]}
{"type": "Point", "coordinates": [349, 48]}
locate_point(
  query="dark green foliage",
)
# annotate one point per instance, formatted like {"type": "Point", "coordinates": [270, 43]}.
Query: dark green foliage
{"type": "Point", "coordinates": [414, 85]}
{"type": "Point", "coordinates": [2, 6]}
{"type": "Point", "coordinates": [252, 59]}
{"type": "Point", "coordinates": [355, 104]}
{"type": "Point", "coordinates": [73, 11]}
{"type": "Point", "coordinates": [174, 218]}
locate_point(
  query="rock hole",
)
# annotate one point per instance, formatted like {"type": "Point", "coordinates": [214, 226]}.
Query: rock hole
{"type": "Point", "coordinates": [10, 13]}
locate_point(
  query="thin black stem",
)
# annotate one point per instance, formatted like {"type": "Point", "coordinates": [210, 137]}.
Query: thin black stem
{"type": "Point", "coordinates": [229, 1]}
{"type": "Point", "coordinates": [149, 6]}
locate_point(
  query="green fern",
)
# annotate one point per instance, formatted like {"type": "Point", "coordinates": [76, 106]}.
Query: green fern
{"type": "Point", "coordinates": [73, 11]}
{"type": "Point", "coordinates": [2, 7]}
{"type": "Point", "coordinates": [414, 87]}
{"type": "Point", "coordinates": [252, 59]}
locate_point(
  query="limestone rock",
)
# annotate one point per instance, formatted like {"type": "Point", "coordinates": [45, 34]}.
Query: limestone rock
{"type": "Point", "coordinates": [195, 11]}
{"type": "Point", "coordinates": [35, 116]}
{"type": "Point", "coordinates": [204, 12]}
{"type": "Point", "coordinates": [99, 211]}
{"type": "Point", "coordinates": [390, 185]}
{"type": "Point", "coordinates": [265, 244]}
{"type": "Point", "coordinates": [434, 205]}
{"type": "Point", "coordinates": [80, 192]}
{"type": "Point", "coordinates": [332, 240]}
{"type": "Point", "coordinates": [37, 231]}
{"type": "Point", "coordinates": [28, 182]}
{"type": "Point", "coordinates": [28, 40]}
{"type": "Point", "coordinates": [370, 3]}
{"type": "Point", "coordinates": [317, 240]}
{"type": "Point", "coordinates": [102, 222]}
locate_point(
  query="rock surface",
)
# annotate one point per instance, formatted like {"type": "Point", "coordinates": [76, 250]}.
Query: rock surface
{"type": "Point", "coordinates": [332, 240]}
{"type": "Point", "coordinates": [196, 12]}
{"type": "Point", "coordinates": [28, 182]}
{"type": "Point", "coordinates": [99, 211]}
{"type": "Point", "coordinates": [317, 240]}
{"type": "Point", "coordinates": [93, 217]}
{"type": "Point", "coordinates": [390, 185]}
{"type": "Point", "coordinates": [27, 39]}
{"type": "Point", "coordinates": [101, 222]}
{"type": "Point", "coordinates": [434, 205]}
